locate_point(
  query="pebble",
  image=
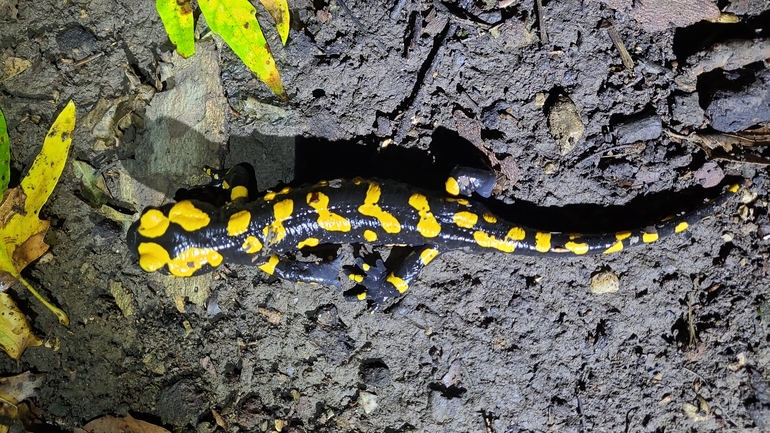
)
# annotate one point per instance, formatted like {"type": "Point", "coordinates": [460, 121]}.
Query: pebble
{"type": "Point", "coordinates": [605, 282]}
{"type": "Point", "coordinates": [566, 125]}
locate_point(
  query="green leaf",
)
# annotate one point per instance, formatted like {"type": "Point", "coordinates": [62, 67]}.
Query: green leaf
{"type": "Point", "coordinates": [235, 22]}
{"type": "Point", "coordinates": [5, 155]}
{"type": "Point", "coordinates": [279, 10]}
{"type": "Point", "coordinates": [177, 17]}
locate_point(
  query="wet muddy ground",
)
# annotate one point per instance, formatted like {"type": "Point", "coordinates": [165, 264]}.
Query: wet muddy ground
{"type": "Point", "coordinates": [404, 90]}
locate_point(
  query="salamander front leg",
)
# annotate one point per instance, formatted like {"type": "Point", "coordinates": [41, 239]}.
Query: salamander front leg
{"type": "Point", "coordinates": [305, 272]}
{"type": "Point", "coordinates": [237, 179]}
{"type": "Point", "coordinates": [381, 286]}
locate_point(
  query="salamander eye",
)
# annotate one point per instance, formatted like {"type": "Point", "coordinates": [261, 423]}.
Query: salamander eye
{"type": "Point", "coordinates": [313, 197]}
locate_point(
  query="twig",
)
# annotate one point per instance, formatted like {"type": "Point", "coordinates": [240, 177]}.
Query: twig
{"type": "Point", "coordinates": [625, 57]}
{"type": "Point", "coordinates": [541, 22]}
{"type": "Point", "coordinates": [348, 12]}
{"type": "Point", "coordinates": [92, 57]}
{"type": "Point", "coordinates": [397, 10]}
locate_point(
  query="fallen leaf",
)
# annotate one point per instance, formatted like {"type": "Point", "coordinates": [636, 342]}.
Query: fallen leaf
{"type": "Point", "coordinates": [127, 424]}
{"type": "Point", "coordinates": [22, 231]}
{"type": "Point", "coordinates": [279, 10]}
{"type": "Point", "coordinates": [14, 390]}
{"type": "Point", "coordinates": [177, 18]}
{"type": "Point", "coordinates": [15, 331]}
{"type": "Point", "coordinates": [235, 21]}
{"type": "Point", "coordinates": [709, 175]}
{"type": "Point", "coordinates": [13, 66]}
{"type": "Point", "coordinates": [659, 15]}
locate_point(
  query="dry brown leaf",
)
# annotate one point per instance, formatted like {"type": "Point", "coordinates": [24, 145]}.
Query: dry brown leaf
{"type": "Point", "coordinates": [15, 389]}
{"type": "Point", "coordinates": [127, 424]}
{"type": "Point", "coordinates": [659, 15]}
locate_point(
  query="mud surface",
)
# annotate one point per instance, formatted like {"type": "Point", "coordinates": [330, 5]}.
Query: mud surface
{"type": "Point", "coordinates": [491, 343]}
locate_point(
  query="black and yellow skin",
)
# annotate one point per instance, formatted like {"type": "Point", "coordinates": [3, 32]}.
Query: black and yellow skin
{"type": "Point", "coordinates": [192, 237]}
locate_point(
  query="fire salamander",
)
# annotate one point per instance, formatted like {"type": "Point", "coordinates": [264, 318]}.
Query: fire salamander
{"type": "Point", "coordinates": [192, 237]}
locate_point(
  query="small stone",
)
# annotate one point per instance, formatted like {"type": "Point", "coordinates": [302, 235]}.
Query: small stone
{"type": "Point", "coordinates": [728, 237]}
{"type": "Point", "coordinates": [367, 401]}
{"type": "Point", "coordinates": [605, 282]}
{"type": "Point", "coordinates": [686, 110]}
{"type": "Point", "coordinates": [565, 123]}
{"type": "Point", "coordinates": [640, 129]}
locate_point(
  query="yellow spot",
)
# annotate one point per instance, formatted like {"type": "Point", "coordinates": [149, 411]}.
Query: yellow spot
{"type": "Point", "coordinates": [488, 217]}
{"type": "Point", "coordinates": [152, 256]}
{"type": "Point", "coordinates": [426, 256]}
{"type": "Point", "coordinates": [365, 267]}
{"type": "Point", "coordinates": [622, 235]}
{"type": "Point", "coordinates": [275, 231]}
{"type": "Point", "coordinates": [270, 195]}
{"type": "Point", "coordinates": [269, 267]}
{"type": "Point", "coordinates": [370, 236]}
{"type": "Point", "coordinates": [192, 259]}
{"type": "Point", "coordinates": [400, 284]}
{"type": "Point", "coordinates": [734, 188]}
{"type": "Point", "coordinates": [357, 278]}
{"type": "Point", "coordinates": [460, 201]}
{"type": "Point", "coordinates": [649, 237]}
{"type": "Point", "coordinates": [361, 296]}
{"type": "Point", "coordinates": [225, 185]}
{"type": "Point", "coordinates": [153, 224]}
{"type": "Point", "coordinates": [252, 245]}
{"type": "Point", "coordinates": [427, 226]}
{"type": "Point", "coordinates": [239, 192]}
{"type": "Point", "coordinates": [452, 187]}
{"type": "Point", "coordinates": [328, 221]}
{"type": "Point", "coordinates": [516, 233]}
{"type": "Point", "coordinates": [487, 241]}
{"type": "Point", "coordinates": [188, 216]}
{"type": "Point", "coordinates": [682, 226]}
{"type": "Point", "coordinates": [617, 246]}
{"type": "Point", "coordinates": [309, 242]}
{"type": "Point", "coordinates": [577, 247]}
{"type": "Point", "coordinates": [370, 208]}
{"type": "Point", "coordinates": [238, 223]}
{"type": "Point", "coordinates": [542, 242]}
{"type": "Point", "coordinates": [465, 219]}
{"type": "Point", "coordinates": [322, 183]}
{"type": "Point", "coordinates": [357, 181]}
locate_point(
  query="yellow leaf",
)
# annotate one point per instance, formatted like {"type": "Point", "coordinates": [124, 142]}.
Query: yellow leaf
{"type": "Point", "coordinates": [279, 10]}
{"type": "Point", "coordinates": [15, 331]}
{"type": "Point", "coordinates": [47, 167]}
{"type": "Point", "coordinates": [177, 17]}
{"type": "Point", "coordinates": [235, 22]}
{"type": "Point", "coordinates": [21, 229]}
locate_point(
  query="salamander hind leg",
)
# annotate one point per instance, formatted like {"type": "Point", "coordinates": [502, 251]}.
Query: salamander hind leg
{"type": "Point", "coordinates": [381, 286]}
{"type": "Point", "coordinates": [305, 272]}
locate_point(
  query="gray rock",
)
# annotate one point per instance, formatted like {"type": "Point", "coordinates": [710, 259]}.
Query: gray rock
{"type": "Point", "coordinates": [736, 111]}
{"type": "Point", "coordinates": [640, 129]}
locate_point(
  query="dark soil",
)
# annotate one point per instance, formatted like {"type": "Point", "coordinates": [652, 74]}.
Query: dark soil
{"type": "Point", "coordinates": [491, 343]}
